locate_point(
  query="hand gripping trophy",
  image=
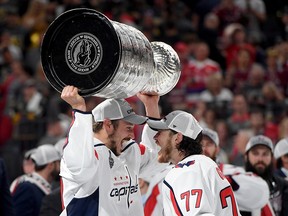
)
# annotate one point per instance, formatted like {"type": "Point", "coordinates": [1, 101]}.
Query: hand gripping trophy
{"type": "Point", "coordinates": [104, 58]}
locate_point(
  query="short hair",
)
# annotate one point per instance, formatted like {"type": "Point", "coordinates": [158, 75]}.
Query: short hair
{"type": "Point", "coordinates": [97, 126]}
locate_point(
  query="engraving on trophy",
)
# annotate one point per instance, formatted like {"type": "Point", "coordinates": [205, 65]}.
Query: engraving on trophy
{"type": "Point", "coordinates": [83, 53]}
{"type": "Point", "coordinates": [106, 58]}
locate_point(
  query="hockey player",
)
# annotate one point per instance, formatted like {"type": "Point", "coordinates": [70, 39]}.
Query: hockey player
{"type": "Point", "coordinates": [195, 186]}
{"type": "Point", "coordinates": [100, 170]}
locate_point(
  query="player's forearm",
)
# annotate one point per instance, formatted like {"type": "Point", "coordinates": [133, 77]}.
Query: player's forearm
{"type": "Point", "coordinates": [79, 151]}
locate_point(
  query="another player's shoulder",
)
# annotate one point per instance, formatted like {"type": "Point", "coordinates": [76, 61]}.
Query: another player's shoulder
{"type": "Point", "coordinates": [230, 169]}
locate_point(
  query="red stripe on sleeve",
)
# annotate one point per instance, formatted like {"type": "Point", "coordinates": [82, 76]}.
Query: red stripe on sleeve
{"type": "Point", "coordinates": [61, 191]}
{"type": "Point", "coordinates": [151, 201]}
{"type": "Point", "coordinates": [174, 203]}
{"type": "Point", "coordinates": [142, 149]}
{"type": "Point", "coordinates": [96, 154]}
{"type": "Point", "coordinates": [267, 211]}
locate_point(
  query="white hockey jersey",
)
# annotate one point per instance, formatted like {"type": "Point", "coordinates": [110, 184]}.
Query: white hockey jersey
{"type": "Point", "coordinates": [95, 181]}
{"type": "Point", "coordinates": [251, 192]}
{"type": "Point", "coordinates": [196, 186]}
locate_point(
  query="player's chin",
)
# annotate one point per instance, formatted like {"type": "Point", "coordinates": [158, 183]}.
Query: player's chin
{"type": "Point", "coordinates": [162, 158]}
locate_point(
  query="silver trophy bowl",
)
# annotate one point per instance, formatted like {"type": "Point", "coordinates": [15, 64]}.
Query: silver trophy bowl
{"type": "Point", "coordinates": [104, 58]}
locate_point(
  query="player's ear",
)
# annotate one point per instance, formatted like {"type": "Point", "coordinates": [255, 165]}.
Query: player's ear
{"type": "Point", "coordinates": [179, 137]}
{"type": "Point", "coordinates": [107, 124]}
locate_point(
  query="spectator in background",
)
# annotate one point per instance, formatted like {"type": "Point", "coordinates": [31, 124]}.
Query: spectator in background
{"type": "Point", "coordinates": [252, 88]}
{"type": "Point", "coordinates": [283, 60]}
{"type": "Point", "coordinates": [225, 137]}
{"type": "Point", "coordinates": [6, 203]}
{"type": "Point", "coordinates": [283, 128]}
{"type": "Point", "coordinates": [217, 96]}
{"type": "Point", "coordinates": [209, 118]}
{"type": "Point", "coordinates": [28, 190]}
{"type": "Point", "coordinates": [228, 12]}
{"type": "Point", "coordinates": [281, 157]}
{"type": "Point", "coordinates": [259, 160]}
{"type": "Point", "coordinates": [210, 34]}
{"type": "Point", "coordinates": [239, 117]}
{"type": "Point", "coordinates": [257, 125]}
{"type": "Point", "coordinates": [177, 96]}
{"type": "Point", "coordinates": [254, 16]}
{"type": "Point", "coordinates": [274, 70]}
{"type": "Point", "coordinates": [55, 130]}
{"type": "Point", "coordinates": [274, 102]}
{"type": "Point", "coordinates": [28, 164]}
{"type": "Point", "coordinates": [235, 39]}
{"type": "Point", "coordinates": [284, 20]}
{"type": "Point", "coordinates": [200, 68]}
{"type": "Point", "coordinates": [51, 203]}
{"type": "Point", "coordinates": [238, 72]}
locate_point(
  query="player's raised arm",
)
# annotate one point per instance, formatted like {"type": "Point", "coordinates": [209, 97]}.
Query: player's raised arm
{"type": "Point", "coordinates": [151, 104]}
{"type": "Point", "coordinates": [78, 154]}
{"type": "Point", "coordinates": [71, 96]}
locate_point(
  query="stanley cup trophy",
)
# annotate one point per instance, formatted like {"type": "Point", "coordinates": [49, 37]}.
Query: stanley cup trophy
{"type": "Point", "coordinates": [104, 58]}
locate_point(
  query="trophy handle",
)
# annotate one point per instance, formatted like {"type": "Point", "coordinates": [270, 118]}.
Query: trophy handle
{"type": "Point", "coordinates": [166, 72]}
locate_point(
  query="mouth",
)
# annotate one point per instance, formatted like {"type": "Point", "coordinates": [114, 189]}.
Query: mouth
{"type": "Point", "coordinates": [260, 166]}
{"type": "Point", "coordinates": [123, 142]}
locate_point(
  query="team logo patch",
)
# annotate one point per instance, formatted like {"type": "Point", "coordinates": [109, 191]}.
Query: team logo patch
{"type": "Point", "coordinates": [83, 53]}
{"type": "Point", "coordinates": [111, 160]}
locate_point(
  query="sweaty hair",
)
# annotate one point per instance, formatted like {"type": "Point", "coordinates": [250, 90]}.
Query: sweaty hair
{"type": "Point", "coordinates": [97, 126]}
{"type": "Point", "coordinates": [189, 146]}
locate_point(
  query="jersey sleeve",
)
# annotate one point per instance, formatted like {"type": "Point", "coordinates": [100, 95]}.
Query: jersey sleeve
{"type": "Point", "coordinates": [79, 161]}
{"type": "Point", "coordinates": [253, 185]}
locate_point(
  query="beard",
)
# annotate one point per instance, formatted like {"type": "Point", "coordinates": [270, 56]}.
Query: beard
{"type": "Point", "coordinates": [266, 173]}
{"type": "Point", "coordinates": [55, 175]}
{"type": "Point", "coordinates": [113, 144]}
{"type": "Point", "coordinates": [113, 148]}
{"type": "Point", "coordinates": [164, 156]}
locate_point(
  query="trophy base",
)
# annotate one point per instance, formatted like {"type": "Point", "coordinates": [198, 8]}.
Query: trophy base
{"type": "Point", "coordinates": [80, 48]}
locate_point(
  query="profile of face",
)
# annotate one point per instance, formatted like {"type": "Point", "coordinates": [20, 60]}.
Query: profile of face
{"type": "Point", "coordinates": [118, 134]}
{"type": "Point", "coordinates": [259, 161]}
{"type": "Point", "coordinates": [209, 148]}
{"type": "Point", "coordinates": [163, 138]}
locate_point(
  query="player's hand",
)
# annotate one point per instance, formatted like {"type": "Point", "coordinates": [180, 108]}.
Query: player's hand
{"type": "Point", "coordinates": [151, 104]}
{"type": "Point", "coordinates": [71, 96]}
{"type": "Point", "coordinates": [148, 99]}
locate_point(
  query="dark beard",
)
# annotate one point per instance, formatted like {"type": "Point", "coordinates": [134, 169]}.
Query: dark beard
{"type": "Point", "coordinates": [266, 174]}
{"type": "Point", "coordinates": [55, 175]}
{"type": "Point", "coordinates": [112, 146]}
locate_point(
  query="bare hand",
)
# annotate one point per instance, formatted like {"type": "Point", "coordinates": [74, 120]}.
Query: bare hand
{"type": "Point", "coordinates": [148, 99]}
{"type": "Point", "coordinates": [151, 104]}
{"type": "Point", "coordinates": [71, 96]}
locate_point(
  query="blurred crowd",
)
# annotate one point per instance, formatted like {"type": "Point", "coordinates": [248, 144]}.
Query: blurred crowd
{"type": "Point", "coordinates": [234, 64]}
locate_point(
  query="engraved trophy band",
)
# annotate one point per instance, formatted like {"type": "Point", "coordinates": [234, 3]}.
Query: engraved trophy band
{"type": "Point", "coordinates": [104, 58]}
